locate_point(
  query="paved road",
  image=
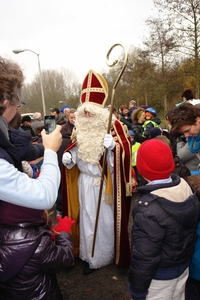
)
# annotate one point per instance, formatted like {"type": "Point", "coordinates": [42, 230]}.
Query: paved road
{"type": "Point", "coordinates": [108, 283]}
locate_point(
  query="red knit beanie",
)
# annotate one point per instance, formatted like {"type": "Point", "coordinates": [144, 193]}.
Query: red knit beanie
{"type": "Point", "coordinates": [155, 160]}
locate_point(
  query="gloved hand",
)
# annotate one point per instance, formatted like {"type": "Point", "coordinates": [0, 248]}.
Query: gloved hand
{"type": "Point", "coordinates": [109, 142]}
{"type": "Point", "coordinates": [64, 224]}
{"type": "Point", "coordinates": [66, 158]}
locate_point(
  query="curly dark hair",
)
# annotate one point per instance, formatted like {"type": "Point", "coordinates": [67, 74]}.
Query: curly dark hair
{"type": "Point", "coordinates": [11, 81]}
{"type": "Point", "coordinates": [185, 114]}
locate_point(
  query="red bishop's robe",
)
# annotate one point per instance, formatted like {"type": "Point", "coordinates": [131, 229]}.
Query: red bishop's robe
{"type": "Point", "coordinates": [122, 195]}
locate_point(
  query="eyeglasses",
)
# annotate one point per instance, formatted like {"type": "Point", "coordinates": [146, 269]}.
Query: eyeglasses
{"type": "Point", "coordinates": [21, 104]}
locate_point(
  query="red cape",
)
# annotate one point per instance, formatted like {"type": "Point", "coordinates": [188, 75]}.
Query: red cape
{"type": "Point", "coordinates": [122, 195]}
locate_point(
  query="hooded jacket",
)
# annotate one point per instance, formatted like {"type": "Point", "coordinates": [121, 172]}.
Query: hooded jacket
{"type": "Point", "coordinates": [163, 235]}
{"type": "Point", "coordinates": [29, 261]}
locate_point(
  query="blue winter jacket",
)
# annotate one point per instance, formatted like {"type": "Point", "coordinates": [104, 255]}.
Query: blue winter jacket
{"type": "Point", "coordinates": [195, 262]}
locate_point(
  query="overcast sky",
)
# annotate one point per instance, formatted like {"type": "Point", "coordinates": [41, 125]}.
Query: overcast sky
{"type": "Point", "coordinates": [74, 34]}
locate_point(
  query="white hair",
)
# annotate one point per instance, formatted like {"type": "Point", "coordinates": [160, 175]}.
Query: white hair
{"type": "Point", "coordinates": [91, 131]}
{"type": "Point", "coordinates": [37, 115]}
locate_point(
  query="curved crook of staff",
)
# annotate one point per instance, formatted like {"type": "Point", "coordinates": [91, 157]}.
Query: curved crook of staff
{"type": "Point", "coordinates": [108, 131]}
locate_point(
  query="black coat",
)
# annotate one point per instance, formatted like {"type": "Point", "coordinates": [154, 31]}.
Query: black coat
{"type": "Point", "coordinates": [138, 130]}
{"type": "Point", "coordinates": [19, 147]}
{"type": "Point", "coordinates": [163, 233]}
{"type": "Point", "coordinates": [30, 261]}
{"type": "Point", "coordinates": [29, 129]}
{"type": "Point", "coordinates": [127, 121]}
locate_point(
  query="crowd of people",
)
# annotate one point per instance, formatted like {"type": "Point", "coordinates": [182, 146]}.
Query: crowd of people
{"type": "Point", "coordinates": [165, 251]}
{"type": "Point", "coordinates": [89, 167]}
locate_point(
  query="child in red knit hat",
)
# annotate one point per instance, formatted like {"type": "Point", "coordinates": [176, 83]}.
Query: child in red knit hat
{"type": "Point", "coordinates": [164, 229]}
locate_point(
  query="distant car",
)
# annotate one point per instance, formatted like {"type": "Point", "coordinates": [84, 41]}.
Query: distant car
{"type": "Point", "coordinates": [28, 114]}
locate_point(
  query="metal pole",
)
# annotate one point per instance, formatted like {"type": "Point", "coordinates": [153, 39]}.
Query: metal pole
{"type": "Point", "coordinates": [41, 86]}
{"type": "Point", "coordinates": [40, 74]}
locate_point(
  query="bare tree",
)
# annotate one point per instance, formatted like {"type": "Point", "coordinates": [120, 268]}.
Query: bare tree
{"type": "Point", "coordinates": [186, 19]}
{"type": "Point", "coordinates": [140, 75]}
{"type": "Point", "coordinates": [58, 86]}
{"type": "Point", "coordinates": [139, 80]}
{"type": "Point", "coordinates": [161, 47]}
{"type": "Point", "coordinates": [72, 87]}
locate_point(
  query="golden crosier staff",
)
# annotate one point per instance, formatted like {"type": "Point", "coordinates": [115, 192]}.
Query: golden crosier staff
{"type": "Point", "coordinates": [108, 131]}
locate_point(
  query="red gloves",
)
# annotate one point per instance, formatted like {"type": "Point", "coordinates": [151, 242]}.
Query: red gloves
{"type": "Point", "coordinates": [64, 224]}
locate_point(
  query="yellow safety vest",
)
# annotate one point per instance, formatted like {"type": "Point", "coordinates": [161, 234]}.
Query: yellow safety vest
{"type": "Point", "coordinates": [134, 153]}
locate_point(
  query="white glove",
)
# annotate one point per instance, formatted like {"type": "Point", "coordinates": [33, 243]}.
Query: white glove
{"type": "Point", "coordinates": [66, 158]}
{"type": "Point", "coordinates": [108, 142]}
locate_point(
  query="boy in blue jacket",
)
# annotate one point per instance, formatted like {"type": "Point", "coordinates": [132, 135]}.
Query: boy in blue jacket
{"type": "Point", "coordinates": [193, 282]}
{"type": "Point", "coordinates": [164, 230]}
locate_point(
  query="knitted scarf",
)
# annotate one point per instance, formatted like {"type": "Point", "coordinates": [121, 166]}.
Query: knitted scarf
{"type": "Point", "coordinates": [194, 143]}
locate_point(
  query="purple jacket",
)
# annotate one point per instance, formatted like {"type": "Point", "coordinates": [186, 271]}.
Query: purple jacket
{"type": "Point", "coordinates": [29, 261]}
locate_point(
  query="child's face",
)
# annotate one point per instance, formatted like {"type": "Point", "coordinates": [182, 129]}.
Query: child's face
{"type": "Point", "coordinates": [148, 116]}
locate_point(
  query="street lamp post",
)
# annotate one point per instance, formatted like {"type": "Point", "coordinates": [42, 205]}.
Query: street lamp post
{"type": "Point", "coordinates": [17, 51]}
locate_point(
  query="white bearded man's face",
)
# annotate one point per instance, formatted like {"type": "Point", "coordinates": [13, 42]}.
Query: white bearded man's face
{"type": "Point", "coordinates": [87, 114]}
{"type": "Point", "coordinates": [91, 126]}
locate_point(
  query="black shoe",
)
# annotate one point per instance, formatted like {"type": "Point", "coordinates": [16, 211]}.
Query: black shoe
{"type": "Point", "coordinates": [87, 270]}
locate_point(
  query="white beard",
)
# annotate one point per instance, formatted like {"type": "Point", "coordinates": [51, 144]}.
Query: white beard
{"type": "Point", "coordinates": [90, 132]}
